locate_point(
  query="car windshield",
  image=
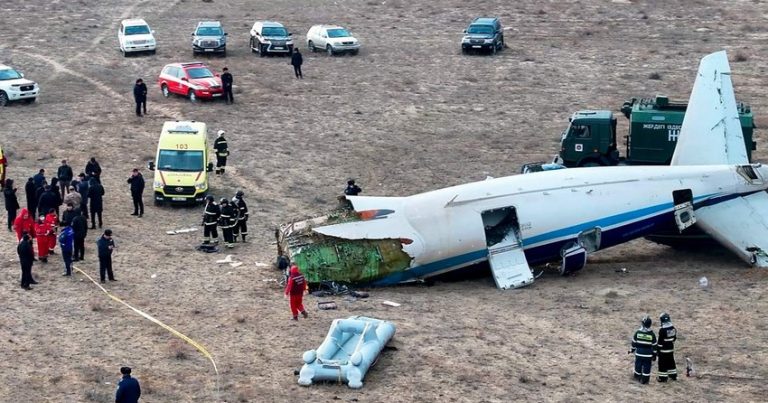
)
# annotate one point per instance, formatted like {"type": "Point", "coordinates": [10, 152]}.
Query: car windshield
{"type": "Point", "coordinates": [179, 160]}
{"type": "Point", "coordinates": [480, 29]}
{"type": "Point", "coordinates": [199, 72]}
{"type": "Point", "coordinates": [9, 74]}
{"type": "Point", "coordinates": [137, 30]}
{"type": "Point", "coordinates": [209, 31]}
{"type": "Point", "coordinates": [338, 33]}
{"type": "Point", "coordinates": [274, 31]}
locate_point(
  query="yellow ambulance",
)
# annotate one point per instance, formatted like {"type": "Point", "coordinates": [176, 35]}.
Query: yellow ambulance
{"type": "Point", "coordinates": [181, 165]}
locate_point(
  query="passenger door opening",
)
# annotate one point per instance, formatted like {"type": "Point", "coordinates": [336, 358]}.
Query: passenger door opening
{"type": "Point", "coordinates": [505, 248]}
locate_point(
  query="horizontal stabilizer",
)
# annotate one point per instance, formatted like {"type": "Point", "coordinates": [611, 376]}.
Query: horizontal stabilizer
{"type": "Point", "coordinates": [363, 203]}
{"type": "Point", "coordinates": [711, 131]}
{"type": "Point", "coordinates": [741, 225]}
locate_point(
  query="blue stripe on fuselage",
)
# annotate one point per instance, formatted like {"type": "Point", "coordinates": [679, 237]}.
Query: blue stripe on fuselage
{"type": "Point", "coordinates": [550, 251]}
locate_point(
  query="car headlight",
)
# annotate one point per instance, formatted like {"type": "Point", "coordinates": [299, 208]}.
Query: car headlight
{"type": "Point", "coordinates": [465, 39]}
{"type": "Point", "coordinates": [201, 186]}
{"type": "Point", "coordinates": [489, 40]}
{"type": "Point", "coordinates": [157, 184]}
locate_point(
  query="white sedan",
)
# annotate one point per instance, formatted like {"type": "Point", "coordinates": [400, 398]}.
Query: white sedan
{"type": "Point", "coordinates": [333, 39]}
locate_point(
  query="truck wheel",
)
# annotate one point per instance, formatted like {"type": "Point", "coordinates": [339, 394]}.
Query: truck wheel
{"type": "Point", "coordinates": [3, 99]}
{"type": "Point", "coordinates": [166, 92]}
{"type": "Point", "coordinates": [311, 47]}
{"type": "Point", "coordinates": [262, 50]}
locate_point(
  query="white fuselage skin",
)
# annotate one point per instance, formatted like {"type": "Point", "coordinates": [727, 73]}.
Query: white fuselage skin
{"type": "Point", "coordinates": [556, 205]}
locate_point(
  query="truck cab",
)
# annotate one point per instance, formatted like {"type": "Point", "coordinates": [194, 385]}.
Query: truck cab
{"type": "Point", "coordinates": [589, 140]}
{"type": "Point", "coordinates": [181, 165]}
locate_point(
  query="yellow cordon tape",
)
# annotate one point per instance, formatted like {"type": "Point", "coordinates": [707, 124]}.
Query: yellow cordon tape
{"type": "Point", "coordinates": [175, 332]}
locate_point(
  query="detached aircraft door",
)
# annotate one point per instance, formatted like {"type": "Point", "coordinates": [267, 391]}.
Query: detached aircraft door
{"type": "Point", "coordinates": [505, 250]}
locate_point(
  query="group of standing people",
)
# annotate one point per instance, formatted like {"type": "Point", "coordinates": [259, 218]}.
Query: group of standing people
{"type": "Point", "coordinates": [647, 348]}
{"type": "Point", "coordinates": [230, 217]}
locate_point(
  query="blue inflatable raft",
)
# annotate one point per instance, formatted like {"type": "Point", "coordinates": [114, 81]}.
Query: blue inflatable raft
{"type": "Point", "coordinates": [348, 351]}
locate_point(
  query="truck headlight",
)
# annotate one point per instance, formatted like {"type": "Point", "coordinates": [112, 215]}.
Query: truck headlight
{"type": "Point", "coordinates": [157, 184]}
{"type": "Point", "coordinates": [201, 186]}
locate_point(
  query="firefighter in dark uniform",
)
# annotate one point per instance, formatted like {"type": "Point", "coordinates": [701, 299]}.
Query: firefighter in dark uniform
{"type": "Point", "coordinates": [644, 347]}
{"type": "Point", "coordinates": [210, 220]}
{"type": "Point", "coordinates": [666, 349]}
{"type": "Point", "coordinates": [352, 189]}
{"type": "Point", "coordinates": [242, 216]}
{"type": "Point", "coordinates": [227, 222]}
{"type": "Point", "coordinates": [226, 82]}
{"type": "Point", "coordinates": [220, 145]}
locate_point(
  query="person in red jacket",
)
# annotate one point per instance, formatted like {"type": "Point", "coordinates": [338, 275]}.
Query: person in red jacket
{"type": "Point", "coordinates": [42, 231]}
{"type": "Point", "coordinates": [294, 288]}
{"type": "Point", "coordinates": [24, 224]}
{"type": "Point", "coordinates": [52, 220]}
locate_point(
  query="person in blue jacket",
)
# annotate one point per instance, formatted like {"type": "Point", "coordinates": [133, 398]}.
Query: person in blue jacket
{"type": "Point", "coordinates": [128, 389]}
{"type": "Point", "coordinates": [67, 243]}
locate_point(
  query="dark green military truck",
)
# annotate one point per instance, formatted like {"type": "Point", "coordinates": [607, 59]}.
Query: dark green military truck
{"type": "Point", "coordinates": [654, 124]}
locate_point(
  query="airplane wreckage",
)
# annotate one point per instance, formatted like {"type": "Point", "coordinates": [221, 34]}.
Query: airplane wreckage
{"type": "Point", "coordinates": [518, 221]}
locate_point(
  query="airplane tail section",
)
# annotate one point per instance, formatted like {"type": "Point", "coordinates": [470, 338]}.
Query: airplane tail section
{"type": "Point", "coordinates": [711, 131]}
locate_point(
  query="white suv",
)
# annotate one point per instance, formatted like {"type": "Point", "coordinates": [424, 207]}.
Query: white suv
{"type": "Point", "coordinates": [14, 87]}
{"type": "Point", "coordinates": [333, 39]}
{"type": "Point", "coordinates": [136, 36]}
{"type": "Point", "coordinates": [270, 37]}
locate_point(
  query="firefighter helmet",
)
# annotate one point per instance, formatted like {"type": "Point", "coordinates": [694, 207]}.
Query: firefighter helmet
{"type": "Point", "coordinates": [224, 200]}
{"type": "Point", "coordinates": [209, 198]}
{"type": "Point", "coordinates": [664, 318]}
{"type": "Point", "coordinates": [646, 321]}
{"type": "Point", "coordinates": [239, 194]}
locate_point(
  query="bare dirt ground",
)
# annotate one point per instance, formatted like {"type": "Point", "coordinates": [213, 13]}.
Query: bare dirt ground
{"type": "Point", "coordinates": [409, 114]}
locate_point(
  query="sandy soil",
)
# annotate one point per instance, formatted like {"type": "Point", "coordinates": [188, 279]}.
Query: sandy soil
{"type": "Point", "coordinates": [409, 114]}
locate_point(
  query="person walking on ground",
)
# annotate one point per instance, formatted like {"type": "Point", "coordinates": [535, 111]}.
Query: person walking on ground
{"type": "Point", "coordinates": [242, 216]}
{"type": "Point", "coordinates": [73, 197]}
{"type": "Point", "coordinates": [352, 189]}
{"type": "Point", "coordinates": [128, 389]}
{"type": "Point", "coordinates": [41, 232]}
{"type": "Point", "coordinates": [24, 224]}
{"type": "Point", "coordinates": [227, 222]}
{"type": "Point", "coordinates": [79, 231]}
{"type": "Point", "coordinates": [106, 245]}
{"type": "Point", "coordinates": [644, 347]}
{"type": "Point", "coordinates": [82, 188]}
{"type": "Point", "coordinates": [47, 201]}
{"type": "Point", "coordinates": [93, 169]}
{"type": "Point", "coordinates": [65, 175]}
{"type": "Point", "coordinates": [56, 195]}
{"type": "Point", "coordinates": [666, 349]}
{"type": "Point", "coordinates": [294, 289]}
{"type": "Point", "coordinates": [11, 202]}
{"type": "Point", "coordinates": [136, 180]}
{"type": "Point", "coordinates": [96, 201]}
{"type": "Point", "coordinates": [69, 215]}
{"type": "Point", "coordinates": [140, 96]}
{"type": "Point", "coordinates": [296, 62]}
{"type": "Point", "coordinates": [27, 259]}
{"type": "Point", "coordinates": [222, 152]}
{"type": "Point", "coordinates": [226, 81]}
{"type": "Point", "coordinates": [30, 192]}
{"type": "Point", "coordinates": [210, 220]}
{"type": "Point", "coordinates": [67, 243]}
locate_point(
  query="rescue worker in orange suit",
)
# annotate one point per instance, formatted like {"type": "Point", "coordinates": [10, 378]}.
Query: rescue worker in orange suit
{"type": "Point", "coordinates": [666, 349]}
{"type": "Point", "coordinates": [41, 230]}
{"type": "Point", "coordinates": [52, 220]}
{"type": "Point", "coordinates": [644, 347]}
{"type": "Point", "coordinates": [24, 224]}
{"type": "Point", "coordinates": [294, 289]}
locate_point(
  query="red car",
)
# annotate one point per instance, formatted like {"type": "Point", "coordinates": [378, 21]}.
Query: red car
{"type": "Point", "coordinates": [192, 80]}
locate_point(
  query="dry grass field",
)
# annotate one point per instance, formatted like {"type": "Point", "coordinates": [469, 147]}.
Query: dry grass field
{"type": "Point", "coordinates": [408, 114]}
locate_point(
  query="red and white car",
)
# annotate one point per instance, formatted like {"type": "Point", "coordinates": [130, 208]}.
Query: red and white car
{"type": "Point", "coordinates": [192, 80]}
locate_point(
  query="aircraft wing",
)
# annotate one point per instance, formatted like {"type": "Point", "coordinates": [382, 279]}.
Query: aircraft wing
{"type": "Point", "coordinates": [711, 131]}
{"type": "Point", "coordinates": [741, 225]}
